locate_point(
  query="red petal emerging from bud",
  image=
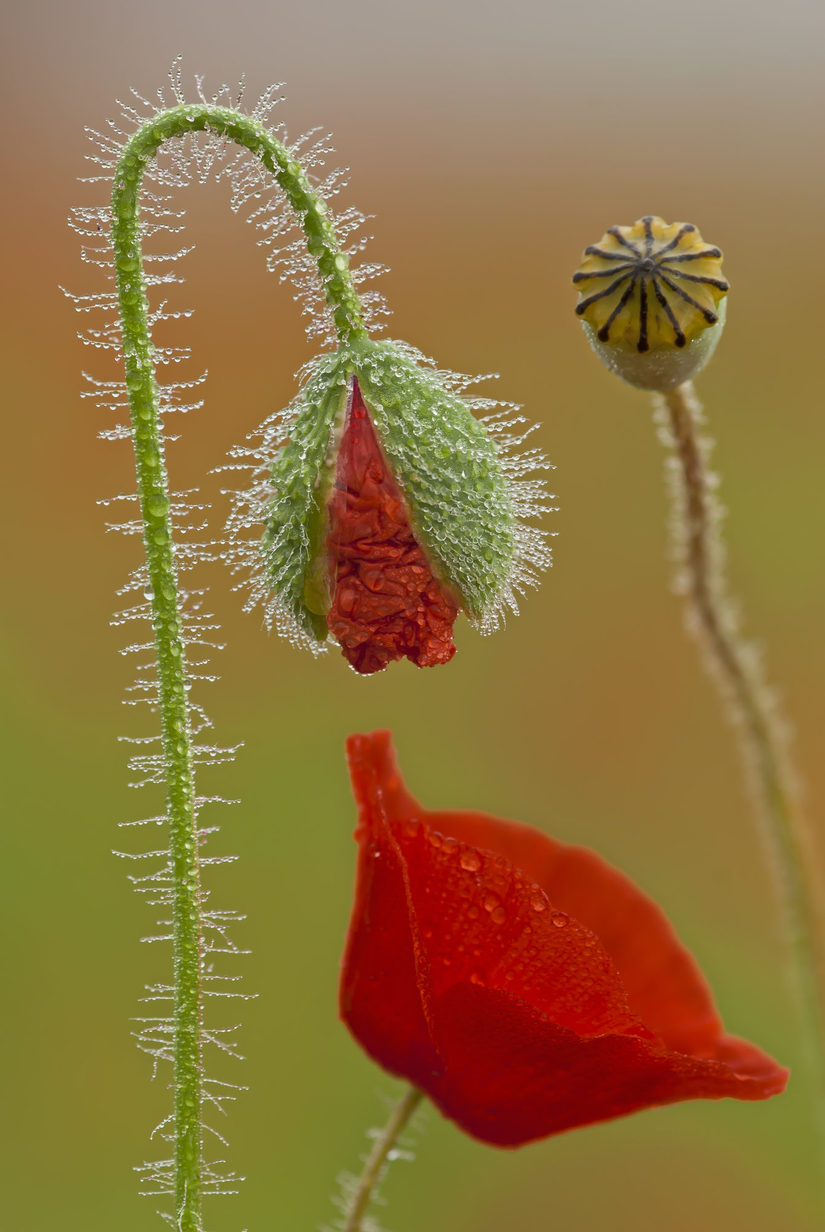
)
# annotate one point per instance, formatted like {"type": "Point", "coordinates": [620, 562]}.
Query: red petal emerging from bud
{"type": "Point", "coordinates": [387, 604]}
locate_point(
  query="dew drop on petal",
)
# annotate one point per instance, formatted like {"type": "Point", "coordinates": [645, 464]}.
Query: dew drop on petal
{"type": "Point", "coordinates": [499, 915]}
{"type": "Point", "coordinates": [559, 919]}
{"type": "Point", "coordinates": [470, 861]}
{"type": "Point", "coordinates": [538, 902]}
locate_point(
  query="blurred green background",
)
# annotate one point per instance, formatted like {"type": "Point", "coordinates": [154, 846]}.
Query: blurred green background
{"type": "Point", "coordinates": [492, 142]}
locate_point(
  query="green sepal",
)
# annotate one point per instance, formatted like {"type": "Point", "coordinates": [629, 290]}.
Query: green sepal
{"type": "Point", "coordinates": [301, 475]}
{"type": "Point", "coordinates": [448, 468]}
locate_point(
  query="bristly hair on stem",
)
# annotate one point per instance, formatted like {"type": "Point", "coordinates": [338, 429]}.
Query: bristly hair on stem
{"type": "Point", "coordinates": [173, 633]}
{"type": "Point", "coordinates": [357, 1193]}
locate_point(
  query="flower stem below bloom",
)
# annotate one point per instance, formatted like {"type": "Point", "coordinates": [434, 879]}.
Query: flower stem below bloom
{"type": "Point", "coordinates": [739, 673]}
{"type": "Point", "coordinates": [379, 1157]}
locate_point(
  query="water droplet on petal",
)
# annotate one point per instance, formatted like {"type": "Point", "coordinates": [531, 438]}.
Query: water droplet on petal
{"type": "Point", "coordinates": [499, 915]}
{"type": "Point", "coordinates": [470, 860]}
{"type": "Point", "coordinates": [559, 919]}
{"type": "Point", "coordinates": [490, 902]}
{"type": "Point", "coordinates": [538, 902]}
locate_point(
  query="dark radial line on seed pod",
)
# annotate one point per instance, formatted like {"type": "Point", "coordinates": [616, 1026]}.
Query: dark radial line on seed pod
{"type": "Point", "coordinates": [617, 235]}
{"type": "Point", "coordinates": [669, 313]}
{"type": "Point", "coordinates": [581, 275]}
{"type": "Point", "coordinates": [592, 250]}
{"type": "Point", "coordinates": [719, 283]}
{"type": "Point", "coordinates": [591, 299]}
{"type": "Point", "coordinates": [648, 233]}
{"type": "Point", "coordinates": [643, 344]}
{"type": "Point", "coordinates": [604, 332]}
{"type": "Point", "coordinates": [684, 230]}
{"type": "Point", "coordinates": [692, 256]}
{"type": "Point", "coordinates": [709, 316]}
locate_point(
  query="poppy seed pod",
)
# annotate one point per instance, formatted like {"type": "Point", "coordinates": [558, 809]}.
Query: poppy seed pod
{"type": "Point", "coordinates": [391, 508]}
{"type": "Point", "coordinates": [652, 301]}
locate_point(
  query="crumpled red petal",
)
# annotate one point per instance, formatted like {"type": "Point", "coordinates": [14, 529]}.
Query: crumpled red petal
{"type": "Point", "coordinates": [525, 985]}
{"type": "Point", "coordinates": [386, 603]}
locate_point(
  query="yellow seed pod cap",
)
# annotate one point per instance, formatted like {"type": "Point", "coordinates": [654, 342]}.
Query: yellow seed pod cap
{"type": "Point", "coordinates": [652, 301]}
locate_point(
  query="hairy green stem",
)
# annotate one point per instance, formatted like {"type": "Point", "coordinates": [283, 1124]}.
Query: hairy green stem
{"type": "Point", "coordinates": [378, 1159]}
{"type": "Point", "coordinates": [153, 492]}
{"type": "Point", "coordinates": [738, 670]}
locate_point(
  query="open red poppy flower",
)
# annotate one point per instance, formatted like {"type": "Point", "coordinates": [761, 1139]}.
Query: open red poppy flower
{"type": "Point", "coordinates": [524, 985]}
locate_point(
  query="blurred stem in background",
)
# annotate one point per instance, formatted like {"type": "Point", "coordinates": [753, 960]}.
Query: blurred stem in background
{"type": "Point", "coordinates": [652, 304]}
{"type": "Point", "coordinates": [363, 1190]}
{"type": "Point", "coordinates": [737, 668]}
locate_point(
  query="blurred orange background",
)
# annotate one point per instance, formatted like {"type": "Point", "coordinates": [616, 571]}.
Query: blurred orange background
{"type": "Point", "coordinates": [491, 143]}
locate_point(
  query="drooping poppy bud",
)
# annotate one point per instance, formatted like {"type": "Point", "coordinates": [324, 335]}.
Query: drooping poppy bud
{"type": "Point", "coordinates": [392, 508]}
{"type": "Point", "coordinates": [524, 985]}
{"type": "Point", "coordinates": [652, 301]}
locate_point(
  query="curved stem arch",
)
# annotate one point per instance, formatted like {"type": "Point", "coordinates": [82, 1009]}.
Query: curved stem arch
{"type": "Point", "coordinates": [154, 497]}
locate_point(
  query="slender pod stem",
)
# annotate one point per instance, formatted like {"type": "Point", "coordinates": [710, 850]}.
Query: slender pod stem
{"type": "Point", "coordinates": [739, 673]}
{"type": "Point", "coordinates": [378, 1159]}
{"type": "Point", "coordinates": [153, 491]}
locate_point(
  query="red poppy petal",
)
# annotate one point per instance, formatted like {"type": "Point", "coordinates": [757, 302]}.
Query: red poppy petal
{"type": "Point", "coordinates": [510, 1076]}
{"type": "Point", "coordinates": [380, 996]}
{"type": "Point", "coordinates": [387, 604]}
{"type": "Point", "coordinates": [464, 914]}
{"type": "Point", "coordinates": [664, 985]}
{"type": "Point", "coordinates": [477, 918]}
{"type": "Point", "coordinates": [376, 779]}
{"type": "Point", "coordinates": [464, 977]}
